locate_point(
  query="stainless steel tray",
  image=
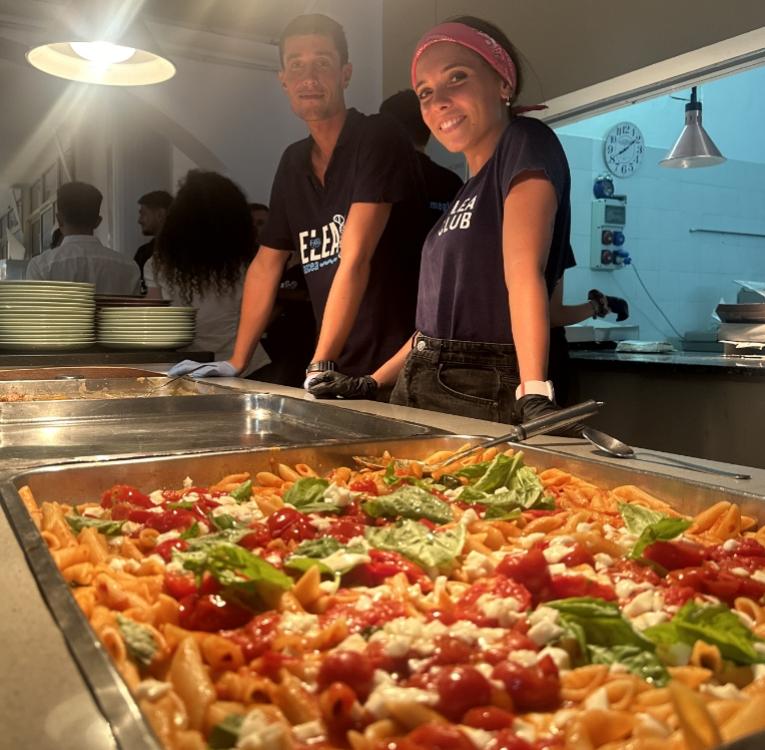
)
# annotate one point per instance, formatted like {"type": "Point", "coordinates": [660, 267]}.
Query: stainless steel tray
{"type": "Point", "coordinates": [88, 480]}
{"type": "Point", "coordinates": [38, 430]}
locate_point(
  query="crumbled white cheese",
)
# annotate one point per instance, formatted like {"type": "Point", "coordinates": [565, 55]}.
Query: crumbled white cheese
{"type": "Point", "coordinates": [558, 655]}
{"type": "Point", "coordinates": [95, 511]}
{"type": "Point", "coordinates": [740, 572]}
{"type": "Point", "coordinates": [453, 494]}
{"type": "Point", "coordinates": [339, 495]}
{"type": "Point", "coordinates": [645, 601]}
{"type": "Point", "coordinates": [505, 610]}
{"type": "Point", "coordinates": [598, 699]}
{"type": "Point", "coordinates": [331, 586]}
{"type": "Point", "coordinates": [130, 527]}
{"type": "Point", "coordinates": [321, 523]}
{"type": "Point", "coordinates": [121, 564]}
{"type": "Point", "coordinates": [728, 691]}
{"type": "Point", "coordinates": [603, 561]}
{"type": "Point", "coordinates": [172, 534]}
{"type": "Point", "coordinates": [479, 737]}
{"type": "Point", "coordinates": [544, 626]}
{"type": "Point", "coordinates": [651, 725]}
{"type": "Point", "coordinates": [525, 730]}
{"type": "Point", "coordinates": [354, 642]}
{"type": "Point", "coordinates": [557, 569]}
{"type": "Point", "coordinates": [157, 497]}
{"type": "Point", "coordinates": [477, 565]}
{"type": "Point", "coordinates": [559, 547]}
{"type": "Point", "coordinates": [626, 587]}
{"type": "Point", "coordinates": [583, 527]}
{"type": "Point", "coordinates": [529, 540]}
{"type": "Point", "coordinates": [243, 513]}
{"type": "Point", "coordinates": [759, 576]}
{"type": "Point", "coordinates": [151, 690]}
{"type": "Point", "coordinates": [649, 620]}
{"type": "Point", "coordinates": [380, 697]}
{"type": "Point", "coordinates": [187, 482]}
{"type": "Point", "coordinates": [299, 622]}
{"type": "Point", "coordinates": [730, 545]}
{"type": "Point", "coordinates": [523, 656]}
{"type": "Point", "coordinates": [468, 517]}
{"type": "Point", "coordinates": [344, 560]}
{"type": "Point", "coordinates": [259, 732]}
{"type": "Point", "coordinates": [309, 730]}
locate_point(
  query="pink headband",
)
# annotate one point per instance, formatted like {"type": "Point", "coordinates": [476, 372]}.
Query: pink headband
{"type": "Point", "coordinates": [466, 36]}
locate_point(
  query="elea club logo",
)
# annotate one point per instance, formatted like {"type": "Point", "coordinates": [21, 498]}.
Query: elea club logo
{"type": "Point", "coordinates": [459, 217]}
{"type": "Point", "coordinates": [320, 247]}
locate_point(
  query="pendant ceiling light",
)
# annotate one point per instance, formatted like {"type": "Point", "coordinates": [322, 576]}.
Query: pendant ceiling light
{"type": "Point", "coordinates": [97, 49]}
{"type": "Point", "coordinates": [694, 147]}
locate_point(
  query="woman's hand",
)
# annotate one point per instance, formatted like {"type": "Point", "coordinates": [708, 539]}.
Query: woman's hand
{"type": "Point", "coordinates": [334, 384]}
{"type": "Point", "coordinates": [534, 406]}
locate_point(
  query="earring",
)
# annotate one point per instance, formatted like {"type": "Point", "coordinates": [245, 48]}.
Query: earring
{"type": "Point", "coordinates": [507, 102]}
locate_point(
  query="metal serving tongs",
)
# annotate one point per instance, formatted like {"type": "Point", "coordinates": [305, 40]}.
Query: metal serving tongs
{"type": "Point", "coordinates": [520, 432]}
{"type": "Point", "coordinates": [172, 380]}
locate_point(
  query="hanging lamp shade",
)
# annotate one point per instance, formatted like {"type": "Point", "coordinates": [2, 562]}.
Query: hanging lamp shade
{"type": "Point", "coordinates": [694, 147]}
{"type": "Point", "coordinates": [96, 49]}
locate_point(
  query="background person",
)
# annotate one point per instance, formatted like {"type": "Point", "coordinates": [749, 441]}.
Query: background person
{"type": "Point", "coordinates": [490, 264]}
{"type": "Point", "coordinates": [201, 256]}
{"type": "Point", "coordinates": [152, 212]}
{"type": "Point", "coordinates": [441, 184]}
{"type": "Point", "coordinates": [349, 200]}
{"type": "Point", "coordinates": [81, 256]}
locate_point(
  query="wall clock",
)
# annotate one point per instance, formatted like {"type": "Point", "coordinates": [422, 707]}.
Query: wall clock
{"type": "Point", "coordinates": [623, 149]}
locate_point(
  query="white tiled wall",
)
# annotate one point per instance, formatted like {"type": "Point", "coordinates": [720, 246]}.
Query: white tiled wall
{"type": "Point", "coordinates": [686, 273]}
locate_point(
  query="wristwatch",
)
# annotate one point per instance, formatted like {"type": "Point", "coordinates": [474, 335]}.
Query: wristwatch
{"type": "Point", "coordinates": [322, 365]}
{"type": "Point", "coordinates": [536, 388]}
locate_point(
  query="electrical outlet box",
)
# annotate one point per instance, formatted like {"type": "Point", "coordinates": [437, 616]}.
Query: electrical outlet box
{"type": "Point", "coordinates": [609, 217]}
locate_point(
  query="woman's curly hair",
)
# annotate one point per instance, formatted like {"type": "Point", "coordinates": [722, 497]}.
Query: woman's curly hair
{"type": "Point", "coordinates": [207, 239]}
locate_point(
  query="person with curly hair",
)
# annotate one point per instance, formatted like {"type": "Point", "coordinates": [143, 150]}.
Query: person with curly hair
{"type": "Point", "coordinates": [201, 256]}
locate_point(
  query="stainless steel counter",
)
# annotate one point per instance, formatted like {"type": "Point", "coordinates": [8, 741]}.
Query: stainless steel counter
{"type": "Point", "coordinates": [745, 365]}
{"type": "Point", "coordinates": [44, 700]}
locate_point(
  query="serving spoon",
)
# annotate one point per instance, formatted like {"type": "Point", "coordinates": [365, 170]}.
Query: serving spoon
{"type": "Point", "coordinates": [541, 425]}
{"type": "Point", "coordinates": [618, 449]}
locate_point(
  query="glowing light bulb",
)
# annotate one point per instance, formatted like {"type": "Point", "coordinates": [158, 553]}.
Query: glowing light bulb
{"type": "Point", "coordinates": [102, 54]}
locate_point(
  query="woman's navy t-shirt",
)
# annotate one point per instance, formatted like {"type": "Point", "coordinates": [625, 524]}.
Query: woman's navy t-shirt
{"type": "Point", "coordinates": [462, 293]}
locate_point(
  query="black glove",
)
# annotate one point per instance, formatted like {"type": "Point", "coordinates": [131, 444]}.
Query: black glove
{"type": "Point", "coordinates": [336, 385]}
{"type": "Point", "coordinates": [605, 304]}
{"type": "Point", "coordinates": [533, 406]}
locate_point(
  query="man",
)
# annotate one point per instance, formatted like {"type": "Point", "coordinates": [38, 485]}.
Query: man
{"type": "Point", "coordinates": [349, 200]}
{"type": "Point", "coordinates": [81, 256]}
{"type": "Point", "coordinates": [152, 212]}
{"type": "Point", "coordinates": [259, 213]}
{"type": "Point", "coordinates": [441, 184]}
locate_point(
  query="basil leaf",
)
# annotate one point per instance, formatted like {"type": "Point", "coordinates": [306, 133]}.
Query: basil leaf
{"type": "Point", "coordinates": [643, 663]}
{"type": "Point", "coordinates": [139, 640]}
{"type": "Point", "coordinates": [390, 477]}
{"type": "Point", "coordinates": [181, 505]}
{"type": "Point", "coordinates": [191, 533]}
{"type": "Point", "coordinates": [246, 578]}
{"type": "Point", "coordinates": [636, 518]}
{"type": "Point", "coordinates": [318, 548]}
{"type": "Point", "coordinates": [432, 550]}
{"type": "Point", "coordinates": [663, 530]}
{"type": "Point", "coordinates": [225, 735]}
{"type": "Point", "coordinates": [222, 521]}
{"type": "Point", "coordinates": [473, 471]}
{"type": "Point", "coordinates": [105, 527]}
{"type": "Point", "coordinates": [499, 473]}
{"type": "Point", "coordinates": [304, 563]}
{"type": "Point", "coordinates": [243, 492]}
{"type": "Point", "coordinates": [409, 502]}
{"type": "Point", "coordinates": [232, 536]}
{"type": "Point", "coordinates": [601, 622]}
{"type": "Point", "coordinates": [714, 624]}
{"type": "Point", "coordinates": [501, 513]}
{"type": "Point", "coordinates": [307, 495]}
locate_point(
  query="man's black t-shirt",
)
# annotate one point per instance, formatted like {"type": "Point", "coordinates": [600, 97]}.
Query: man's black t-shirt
{"type": "Point", "coordinates": [441, 185]}
{"type": "Point", "coordinates": [141, 257]}
{"type": "Point", "coordinates": [371, 163]}
{"type": "Point", "coordinates": [462, 294]}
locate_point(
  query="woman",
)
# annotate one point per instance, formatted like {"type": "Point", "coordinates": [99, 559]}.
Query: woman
{"type": "Point", "coordinates": [200, 258]}
{"type": "Point", "coordinates": [489, 267]}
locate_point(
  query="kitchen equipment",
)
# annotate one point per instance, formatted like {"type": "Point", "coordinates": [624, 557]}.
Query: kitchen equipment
{"type": "Point", "coordinates": [539, 426]}
{"type": "Point", "coordinates": [751, 312]}
{"type": "Point", "coordinates": [608, 218]}
{"type": "Point", "coordinates": [617, 448]}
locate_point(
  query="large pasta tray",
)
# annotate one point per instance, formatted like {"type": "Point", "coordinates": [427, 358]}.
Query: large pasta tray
{"type": "Point", "coordinates": [88, 480]}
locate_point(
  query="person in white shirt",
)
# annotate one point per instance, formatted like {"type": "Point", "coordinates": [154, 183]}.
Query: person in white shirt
{"type": "Point", "coordinates": [200, 258]}
{"type": "Point", "coordinates": [81, 256]}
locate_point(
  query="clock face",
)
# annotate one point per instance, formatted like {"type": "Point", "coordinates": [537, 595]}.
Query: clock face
{"type": "Point", "coordinates": [623, 149]}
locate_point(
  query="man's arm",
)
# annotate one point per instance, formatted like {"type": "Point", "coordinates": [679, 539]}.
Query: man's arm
{"type": "Point", "coordinates": [258, 295]}
{"type": "Point", "coordinates": [363, 228]}
{"type": "Point", "coordinates": [567, 315]}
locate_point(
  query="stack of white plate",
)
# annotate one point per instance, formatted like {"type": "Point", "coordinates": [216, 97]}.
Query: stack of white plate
{"type": "Point", "coordinates": [146, 327]}
{"type": "Point", "coordinates": [46, 315]}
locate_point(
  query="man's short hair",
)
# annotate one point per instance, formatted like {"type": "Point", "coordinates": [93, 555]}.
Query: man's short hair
{"type": "Point", "coordinates": [259, 207]}
{"type": "Point", "coordinates": [156, 199]}
{"type": "Point", "coordinates": [79, 204]}
{"type": "Point", "coordinates": [316, 23]}
{"type": "Point", "coordinates": [405, 107]}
